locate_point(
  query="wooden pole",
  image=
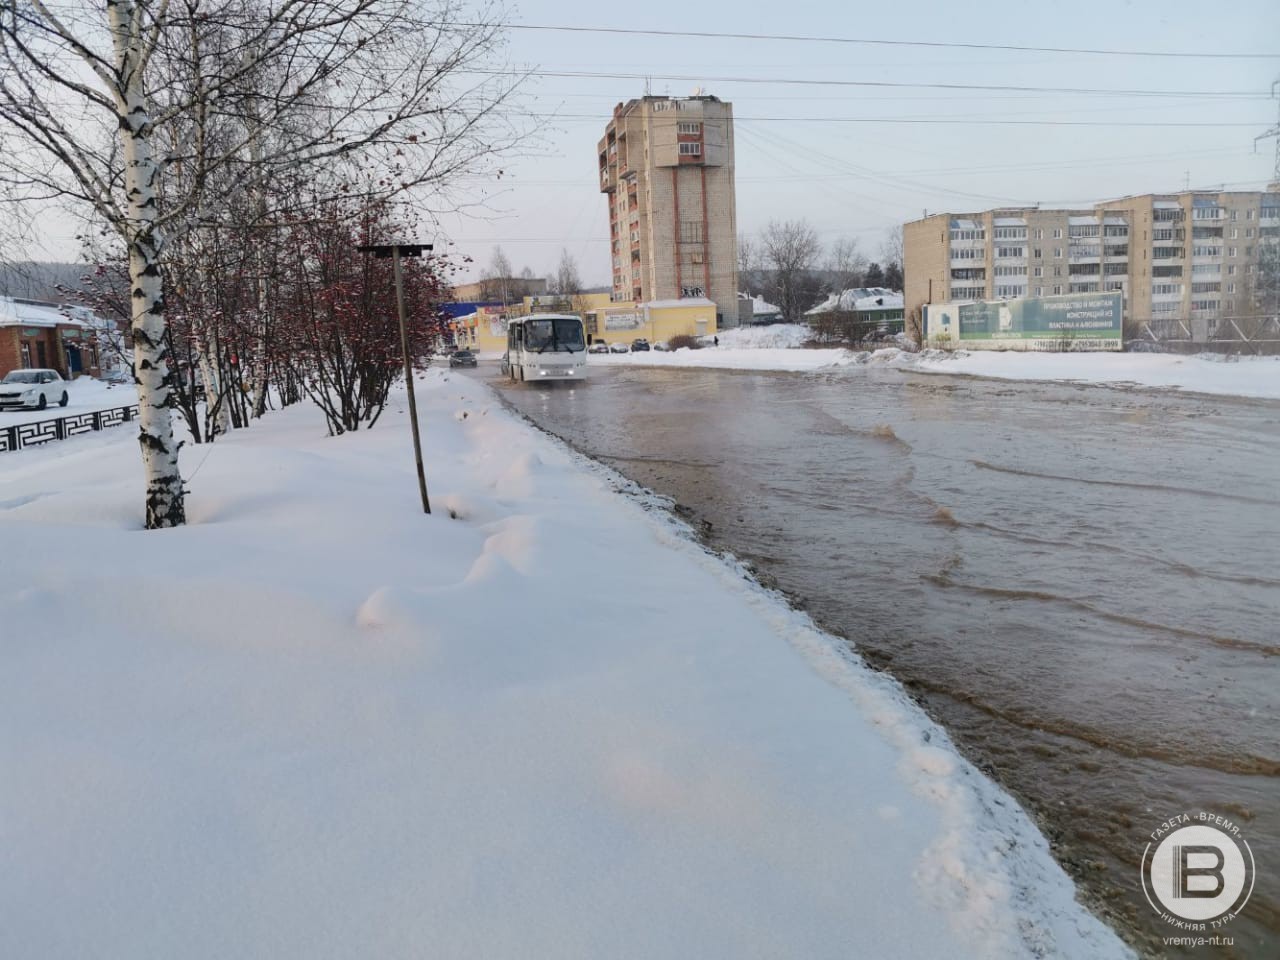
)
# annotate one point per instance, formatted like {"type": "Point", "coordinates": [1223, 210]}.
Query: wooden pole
{"type": "Point", "coordinates": [408, 379]}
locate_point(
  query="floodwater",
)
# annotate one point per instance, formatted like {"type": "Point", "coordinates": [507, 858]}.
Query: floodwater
{"type": "Point", "coordinates": [1081, 583]}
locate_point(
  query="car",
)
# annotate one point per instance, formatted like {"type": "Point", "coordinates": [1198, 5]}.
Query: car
{"type": "Point", "coordinates": [462, 358]}
{"type": "Point", "coordinates": [662, 346]}
{"type": "Point", "coordinates": [33, 388]}
{"type": "Point", "coordinates": [619, 348]}
{"type": "Point", "coordinates": [598, 347]}
{"type": "Point", "coordinates": [639, 344]}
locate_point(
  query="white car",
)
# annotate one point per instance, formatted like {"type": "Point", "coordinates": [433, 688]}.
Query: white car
{"type": "Point", "coordinates": [619, 348]}
{"type": "Point", "coordinates": [32, 388]}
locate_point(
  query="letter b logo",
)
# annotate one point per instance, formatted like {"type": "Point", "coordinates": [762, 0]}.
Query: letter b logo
{"type": "Point", "coordinates": [1197, 873]}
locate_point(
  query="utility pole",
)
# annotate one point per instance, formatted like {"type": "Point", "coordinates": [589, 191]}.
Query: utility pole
{"type": "Point", "coordinates": [1269, 248]}
{"type": "Point", "coordinates": [395, 251]}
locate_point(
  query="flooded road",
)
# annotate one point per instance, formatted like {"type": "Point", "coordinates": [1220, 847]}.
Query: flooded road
{"type": "Point", "coordinates": [1081, 583]}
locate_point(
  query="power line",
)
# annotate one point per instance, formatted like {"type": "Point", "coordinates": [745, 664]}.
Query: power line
{"type": "Point", "coordinates": [681, 78]}
{"type": "Point", "coordinates": [792, 38]}
{"type": "Point", "coordinates": [597, 118]}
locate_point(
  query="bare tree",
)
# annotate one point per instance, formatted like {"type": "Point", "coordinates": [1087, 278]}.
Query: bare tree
{"type": "Point", "coordinates": [567, 281]}
{"type": "Point", "coordinates": [750, 274]}
{"type": "Point", "coordinates": [845, 264]}
{"type": "Point", "coordinates": [93, 100]}
{"type": "Point", "coordinates": [790, 252]}
{"type": "Point", "coordinates": [892, 255]}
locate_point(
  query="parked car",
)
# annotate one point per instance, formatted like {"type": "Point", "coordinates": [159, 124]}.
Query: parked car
{"type": "Point", "coordinates": [639, 344]}
{"type": "Point", "coordinates": [619, 348]}
{"type": "Point", "coordinates": [662, 346]}
{"type": "Point", "coordinates": [598, 347]}
{"type": "Point", "coordinates": [33, 388]}
{"type": "Point", "coordinates": [462, 358]}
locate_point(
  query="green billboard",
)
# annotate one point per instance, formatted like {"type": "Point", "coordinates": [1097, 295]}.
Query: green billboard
{"type": "Point", "coordinates": [1084, 316]}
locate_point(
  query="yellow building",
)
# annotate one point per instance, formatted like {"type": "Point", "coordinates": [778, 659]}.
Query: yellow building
{"type": "Point", "coordinates": [605, 320]}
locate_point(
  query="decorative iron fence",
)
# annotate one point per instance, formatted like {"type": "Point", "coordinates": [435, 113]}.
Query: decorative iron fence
{"type": "Point", "coordinates": [21, 435]}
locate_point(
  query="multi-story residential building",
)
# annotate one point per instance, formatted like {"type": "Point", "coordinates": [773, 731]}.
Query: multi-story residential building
{"type": "Point", "coordinates": [667, 167]}
{"type": "Point", "coordinates": [1192, 258]}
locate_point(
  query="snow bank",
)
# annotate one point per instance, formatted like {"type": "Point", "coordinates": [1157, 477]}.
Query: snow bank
{"type": "Point", "coordinates": [1202, 373]}
{"type": "Point", "coordinates": [774, 348]}
{"type": "Point", "coordinates": [542, 722]}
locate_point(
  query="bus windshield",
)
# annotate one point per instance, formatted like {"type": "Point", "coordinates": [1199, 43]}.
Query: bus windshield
{"type": "Point", "coordinates": [554, 335]}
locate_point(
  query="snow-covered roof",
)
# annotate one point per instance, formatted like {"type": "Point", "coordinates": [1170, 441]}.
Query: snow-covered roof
{"type": "Point", "coordinates": [761, 305]}
{"type": "Point", "coordinates": [1010, 221]}
{"type": "Point", "coordinates": [32, 313]}
{"type": "Point", "coordinates": [684, 302]}
{"type": "Point", "coordinates": [860, 298]}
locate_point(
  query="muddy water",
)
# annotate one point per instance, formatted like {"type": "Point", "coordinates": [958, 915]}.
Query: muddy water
{"type": "Point", "coordinates": [1081, 583]}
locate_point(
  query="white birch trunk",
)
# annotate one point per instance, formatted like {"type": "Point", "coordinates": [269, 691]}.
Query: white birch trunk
{"type": "Point", "coordinates": [154, 379]}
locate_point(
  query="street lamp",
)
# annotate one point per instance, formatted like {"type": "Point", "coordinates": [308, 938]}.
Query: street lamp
{"type": "Point", "coordinates": [395, 251]}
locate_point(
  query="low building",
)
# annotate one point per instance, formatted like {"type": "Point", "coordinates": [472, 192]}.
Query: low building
{"type": "Point", "coordinates": [484, 329]}
{"type": "Point", "coordinates": [34, 333]}
{"type": "Point", "coordinates": [508, 290]}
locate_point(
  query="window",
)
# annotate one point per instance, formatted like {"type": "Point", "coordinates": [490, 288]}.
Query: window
{"type": "Point", "coordinates": [1039, 291]}
{"type": "Point", "coordinates": [1231, 288]}
{"type": "Point", "coordinates": [1057, 251]}
{"type": "Point", "coordinates": [1197, 251]}
{"type": "Point", "coordinates": [1231, 251]}
{"type": "Point", "coordinates": [690, 149]}
{"type": "Point", "coordinates": [971, 253]}
{"type": "Point", "coordinates": [1168, 215]}
{"type": "Point", "coordinates": [1204, 304]}
{"type": "Point", "coordinates": [1166, 253]}
{"type": "Point", "coordinates": [1248, 214]}
{"type": "Point", "coordinates": [691, 231]}
{"type": "Point", "coordinates": [1039, 271]}
{"type": "Point", "coordinates": [1168, 307]}
{"type": "Point", "coordinates": [1235, 232]}
{"type": "Point", "coordinates": [1057, 271]}
{"type": "Point", "coordinates": [1115, 230]}
{"type": "Point", "coordinates": [1040, 234]}
{"type": "Point", "coordinates": [690, 292]}
{"type": "Point", "coordinates": [1010, 271]}
{"type": "Point", "coordinates": [1165, 289]}
{"type": "Point", "coordinates": [1057, 289]}
{"type": "Point", "coordinates": [1057, 234]}
{"type": "Point", "coordinates": [1115, 269]}
{"type": "Point", "coordinates": [686, 126]}
{"type": "Point", "coordinates": [1011, 291]}
{"type": "Point", "coordinates": [968, 234]}
{"type": "Point", "coordinates": [1248, 233]}
{"type": "Point", "coordinates": [1233, 214]}
{"type": "Point", "coordinates": [1206, 287]}
{"type": "Point", "coordinates": [1084, 230]}
{"type": "Point", "coordinates": [1010, 233]}
{"type": "Point", "coordinates": [1206, 269]}
{"type": "Point", "coordinates": [1207, 213]}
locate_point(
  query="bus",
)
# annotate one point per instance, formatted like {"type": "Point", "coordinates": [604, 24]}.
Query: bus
{"type": "Point", "coordinates": [545, 347]}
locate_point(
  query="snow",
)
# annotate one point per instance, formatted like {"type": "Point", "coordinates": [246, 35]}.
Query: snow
{"type": "Point", "coordinates": [541, 722]}
{"type": "Point", "coordinates": [1204, 373]}
{"type": "Point", "coordinates": [775, 348]}
{"type": "Point", "coordinates": [859, 298]}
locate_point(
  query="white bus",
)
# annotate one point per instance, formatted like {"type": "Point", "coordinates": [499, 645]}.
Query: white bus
{"type": "Point", "coordinates": [545, 346]}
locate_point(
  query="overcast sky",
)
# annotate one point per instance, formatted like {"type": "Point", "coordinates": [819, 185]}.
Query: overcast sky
{"type": "Point", "coordinates": [798, 157]}
{"type": "Point", "coordinates": [858, 179]}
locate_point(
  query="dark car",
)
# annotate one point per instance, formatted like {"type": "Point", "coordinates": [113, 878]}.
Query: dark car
{"type": "Point", "coordinates": [462, 358]}
{"type": "Point", "coordinates": [638, 345]}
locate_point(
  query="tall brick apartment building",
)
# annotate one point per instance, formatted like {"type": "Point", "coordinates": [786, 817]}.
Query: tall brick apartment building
{"type": "Point", "coordinates": [1192, 259]}
{"type": "Point", "coordinates": [667, 166]}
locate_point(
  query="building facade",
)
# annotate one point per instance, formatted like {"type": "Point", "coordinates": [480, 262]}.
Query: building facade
{"type": "Point", "coordinates": [667, 167]}
{"type": "Point", "coordinates": [34, 333]}
{"type": "Point", "coordinates": [1191, 261]}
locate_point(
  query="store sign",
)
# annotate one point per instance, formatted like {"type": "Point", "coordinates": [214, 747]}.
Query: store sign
{"type": "Point", "coordinates": [623, 321]}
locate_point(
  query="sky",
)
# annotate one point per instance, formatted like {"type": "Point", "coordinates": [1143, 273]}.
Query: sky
{"type": "Point", "coordinates": [798, 157]}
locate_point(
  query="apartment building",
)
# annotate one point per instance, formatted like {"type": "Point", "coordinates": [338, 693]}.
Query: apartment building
{"type": "Point", "coordinates": [1190, 259]}
{"type": "Point", "coordinates": [667, 167]}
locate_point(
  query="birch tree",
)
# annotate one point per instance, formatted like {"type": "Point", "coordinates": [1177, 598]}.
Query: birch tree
{"type": "Point", "coordinates": [101, 101]}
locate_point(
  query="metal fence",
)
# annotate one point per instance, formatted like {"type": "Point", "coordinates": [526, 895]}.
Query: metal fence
{"type": "Point", "coordinates": [1244, 335]}
{"type": "Point", "coordinates": [21, 435]}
